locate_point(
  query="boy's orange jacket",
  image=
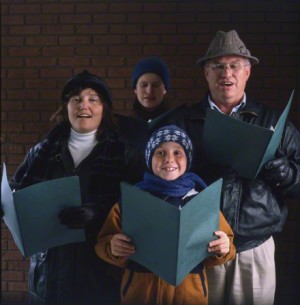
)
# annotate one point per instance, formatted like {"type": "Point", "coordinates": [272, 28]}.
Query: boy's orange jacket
{"type": "Point", "coordinates": [145, 288]}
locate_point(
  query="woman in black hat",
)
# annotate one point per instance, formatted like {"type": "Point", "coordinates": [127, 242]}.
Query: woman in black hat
{"type": "Point", "coordinates": [85, 144]}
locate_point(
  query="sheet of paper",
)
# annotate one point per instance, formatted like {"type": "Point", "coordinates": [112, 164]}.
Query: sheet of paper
{"type": "Point", "coordinates": [242, 146]}
{"type": "Point", "coordinates": [31, 214]}
{"type": "Point", "coordinates": [170, 241]}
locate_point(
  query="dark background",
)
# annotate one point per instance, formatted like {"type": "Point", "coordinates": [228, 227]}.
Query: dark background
{"type": "Point", "coordinates": [44, 42]}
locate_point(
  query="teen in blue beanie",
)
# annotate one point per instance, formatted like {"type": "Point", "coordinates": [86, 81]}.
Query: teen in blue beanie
{"type": "Point", "coordinates": [150, 81]}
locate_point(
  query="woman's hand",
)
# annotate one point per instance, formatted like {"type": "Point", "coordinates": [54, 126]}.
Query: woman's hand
{"type": "Point", "coordinates": [121, 245]}
{"type": "Point", "coordinates": [221, 245]}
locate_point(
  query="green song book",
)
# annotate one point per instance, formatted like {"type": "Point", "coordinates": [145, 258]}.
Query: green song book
{"type": "Point", "coordinates": [31, 213]}
{"type": "Point", "coordinates": [170, 241]}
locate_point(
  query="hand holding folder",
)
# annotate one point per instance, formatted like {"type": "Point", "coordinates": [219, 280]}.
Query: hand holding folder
{"type": "Point", "coordinates": [170, 241]}
{"type": "Point", "coordinates": [242, 146]}
{"type": "Point", "coordinates": [31, 214]}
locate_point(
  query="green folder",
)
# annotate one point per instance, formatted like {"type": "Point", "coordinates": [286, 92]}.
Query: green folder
{"type": "Point", "coordinates": [31, 214]}
{"type": "Point", "coordinates": [170, 241]}
{"type": "Point", "coordinates": [137, 131]}
{"type": "Point", "coordinates": [242, 146]}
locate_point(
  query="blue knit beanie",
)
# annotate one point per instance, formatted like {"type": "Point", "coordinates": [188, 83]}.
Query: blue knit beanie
{"type": "Point", "coordinates": [151, 64]}
{"type": "Point", "coordinates": [170, 133]}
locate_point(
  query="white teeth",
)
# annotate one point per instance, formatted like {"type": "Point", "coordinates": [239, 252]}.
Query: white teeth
{"type": "Point", "coordinates": [83, 116]}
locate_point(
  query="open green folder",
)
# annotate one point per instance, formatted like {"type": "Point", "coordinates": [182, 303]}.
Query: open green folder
{"type": "Point", "coordinates": [242, 146]}
{"type": "Point", "coordinates": [170, 241]}
{"type": "Point", "coordinates": [137, 131]}
{"type": "Point", "coordinates": [31, 213]}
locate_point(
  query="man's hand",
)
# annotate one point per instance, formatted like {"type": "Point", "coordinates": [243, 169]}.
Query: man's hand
{"type": "Point", "coordinates": [278, 172]}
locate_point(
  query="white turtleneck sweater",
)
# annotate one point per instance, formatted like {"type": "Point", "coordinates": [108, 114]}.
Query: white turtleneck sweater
{"type": "Point", "coordinates": [81, 144]}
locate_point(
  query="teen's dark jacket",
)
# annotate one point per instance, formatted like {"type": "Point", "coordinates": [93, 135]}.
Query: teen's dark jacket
{"type": "Point", "coordinates": [254, 209]}
{"type": "Point", "coordinates": [73, 274]}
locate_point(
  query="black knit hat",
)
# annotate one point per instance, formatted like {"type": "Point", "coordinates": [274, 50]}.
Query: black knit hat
{"type": "Point", "coordinates": [151, 64]}
{"type": "Point", "coordinates": [226, 44]}
{"type": "Point", "coordinates": [87, 80]}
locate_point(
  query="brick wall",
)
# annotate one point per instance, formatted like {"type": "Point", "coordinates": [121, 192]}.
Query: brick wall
{"type": "Point", "coordinates": [45, 42]}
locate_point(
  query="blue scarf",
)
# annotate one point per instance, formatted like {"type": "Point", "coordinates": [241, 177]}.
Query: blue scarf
{"type": "Point", "coordinates": [174, 188]}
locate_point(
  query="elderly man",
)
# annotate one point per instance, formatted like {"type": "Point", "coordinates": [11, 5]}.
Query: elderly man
{"type": "Point", "coordinates": [255, 209]}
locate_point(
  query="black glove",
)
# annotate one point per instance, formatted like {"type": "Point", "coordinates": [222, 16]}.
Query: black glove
{"type": "Point", "coordinates": [78, 217]}
{"type": "Point", "coordinates": [278, 172]}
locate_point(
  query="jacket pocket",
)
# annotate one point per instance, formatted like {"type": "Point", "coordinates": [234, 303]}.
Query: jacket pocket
{"type": "Point", "coordinates": [37, 276]}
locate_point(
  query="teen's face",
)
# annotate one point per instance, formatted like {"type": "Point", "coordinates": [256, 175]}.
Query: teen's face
{"type": "Point", "coordinates": [169, 161]}
{"type": "Point", "coordinates": [227, 85]}
{"type": "Point", "coordinates": [85, 111]}
{"type": "Point", "coordinates": [150, 90]}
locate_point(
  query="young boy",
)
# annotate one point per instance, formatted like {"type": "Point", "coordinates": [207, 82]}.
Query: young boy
{"type": "Point", "coordinates": [168, 157]}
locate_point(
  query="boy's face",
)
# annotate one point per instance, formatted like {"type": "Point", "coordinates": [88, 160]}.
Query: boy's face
{"type": "Point", "coordinates": [150, 91]}
{"type": "Point", "coordinates": [169, 161]}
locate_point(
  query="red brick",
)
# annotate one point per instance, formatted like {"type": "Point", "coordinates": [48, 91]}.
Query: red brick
{"type": "Point", "coordinates": [24, 52]}
{"type": "Point", "coordinates": [92, 29]}
{"type": "Point", "coordinates": [10, 20]}
{"type": "Point", "coordinates": [41, 19]}
{"type": "Point", "coordinates": [109, 39]}
{"type": "Point", "coordinates": [144, 18]}
{"type": "Point", "coordinates": [124, 28]}
{"type": "Point", "coordinates": [144, 39]}
{"type": "Point", "coordinates": [59, 29]}
{"type": "Point", "coordinates": [40, 62]}
{"type": "Point", "coordinates": [160, 28]}
{"type": "Point", "coordinates": [17, 286]}
{"type": "Point", "coordinates": [22, 73]}
{"type": "Point", "coordinates": [23, 116]}
{"type": "Point", "coordinates": [25, 30]}
{"type": "Point", "coordinates": [51, 8]}
{"type": "Point", "coordinates": [89, 7]}
{"type": "Point", "coordinates": [41, 40]}
{"type": "Point", "coordinates": [126, 50]}
{"type": "Point", "coordinates": [23, 138]}
{"type": "Point", "coordinates": [22, 94]}
{"type": "Point", "coordinates": [160, 7]}
{"type": "Point", "coordinates": [109, 18]}
{"type": "Point", "coordinates": [91, 50]}
{"type": "Point", "coordinates": [80, 18]}
{"type": "Point", "coordinates": [125, 7]}
{"type": "Point", "coordinates": [74, 61]}
{"type": "Point", "coordinates": [18, 265]}
{"type": "Point", "coordinates": [74, 40]}
{"type": "Point", "coordinates": [12, 276]}
{"type": "Point", "coordinates": [12, 41]}
{"type": "Point", "coordinates": [11, 127]}
{"type": "Point", "coordinates": [24, 9]}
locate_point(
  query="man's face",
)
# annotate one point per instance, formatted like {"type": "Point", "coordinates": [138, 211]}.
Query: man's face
{"type": "Point", "coordinates": [227, 77]}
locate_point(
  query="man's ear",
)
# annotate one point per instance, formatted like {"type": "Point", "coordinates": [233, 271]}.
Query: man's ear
{"type": "Point", "coordinates": [205, 72]}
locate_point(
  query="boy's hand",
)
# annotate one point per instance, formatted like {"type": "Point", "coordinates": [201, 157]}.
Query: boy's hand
{"type": "Point", "coordinates": [221, 245]}
{"type": "Point", "coordinates": [121, 245]}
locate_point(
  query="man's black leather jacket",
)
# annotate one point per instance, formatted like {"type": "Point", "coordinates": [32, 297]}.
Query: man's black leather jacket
{"type": "Point", "coordinates": [254, 209]}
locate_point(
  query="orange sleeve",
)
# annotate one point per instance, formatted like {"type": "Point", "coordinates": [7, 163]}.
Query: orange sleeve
{"type": "Point", "coordinates": [111, 226]}
{"type": "Point", "coordinates": [215, 260]}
